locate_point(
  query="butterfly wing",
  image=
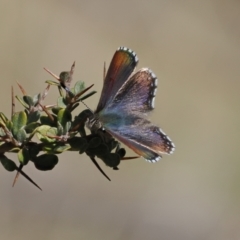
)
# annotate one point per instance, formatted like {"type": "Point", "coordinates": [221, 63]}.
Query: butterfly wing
{"type": "Point", "coordinates": [121, 67]}
{"type": "Point", "coordinates": [139, 134]}
{"type": "Point", "coordinates": [137, 94]}
{"type": "Point", "coordinates": [125, 117]}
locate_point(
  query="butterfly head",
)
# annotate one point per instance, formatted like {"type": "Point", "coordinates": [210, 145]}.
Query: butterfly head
{"type": "Point", "coordinates": [93, 123]}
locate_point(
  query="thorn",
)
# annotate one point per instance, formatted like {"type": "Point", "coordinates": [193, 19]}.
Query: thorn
{"type": "Point", "coordinates": [104, 71]}
{"type": "Point", "coordinates": [19, 171]}
{"type": "Point", "coordinates": [99, 168]}
{"type": "Point", "coordinates": [13, 101]}
{"type": "Point", "coordinates": [82, 92]}
{"type": "Point", "coordinates": [46, 111]}
{"type": "Point", "coordinates": [55, 76]}
{"type": "Point", "coordinates": [17, 174]}
{"type": "Point", "coordinates": [22, 89]}
{"type": "Point", "coordinates": [130, 158]}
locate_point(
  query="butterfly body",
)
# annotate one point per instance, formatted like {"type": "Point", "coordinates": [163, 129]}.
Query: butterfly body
{"type": "Point", "coordinates": [125, 102]}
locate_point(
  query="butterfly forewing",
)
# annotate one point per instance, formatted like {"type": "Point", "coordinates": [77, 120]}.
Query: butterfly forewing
{"type": "Point", "coordinates": [121, 67]}
{"type": "Point", "coordinates": [137, 94]}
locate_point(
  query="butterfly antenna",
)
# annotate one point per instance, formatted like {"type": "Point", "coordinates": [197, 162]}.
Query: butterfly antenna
{"type": "Point", "coordinates": [86, 106]}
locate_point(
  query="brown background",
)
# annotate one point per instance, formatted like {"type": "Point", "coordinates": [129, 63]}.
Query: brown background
{"type": "Point", "coordinates": [194, 49]}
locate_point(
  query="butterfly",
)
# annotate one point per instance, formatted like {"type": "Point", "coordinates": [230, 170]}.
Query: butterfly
{"type": "Point", "coordinates": [126, 100]}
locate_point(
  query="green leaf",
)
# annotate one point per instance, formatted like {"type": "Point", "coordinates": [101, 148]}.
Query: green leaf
{"type": "Point", "coordinates": [19, 120]}
{"type": "Point", "coordinates": [64, 116]}
{"type": "Point", "coordinates": [49, 147]}
{"type": "Point", "coordinates": [61, 102]}
{"type": "Point", "coordinates": [63, 148]}
{"type": "Point", "coordinates": [50, 82]}
{"type": "Point", "coordinates": [45, 120]}
{"type": "Point", "coordinates": [59, 129]}
{"type": "Point", "coordinates": [2, 133]}
{"type": "Point", "coordinates": [28, 100]}
{"type": "Point", "coordinates": [22, 101]}
{"type": "Point", "coordinates": [45, 162]}
{"type": "Point", "coordinates": [31, 127]}
{"type": "Point", "coordinates": [15, 150]}
{"type": "Point", "coordinates": [23, 156]}
{"type": "Point", "coordinates": [9, 125]}
{"type": "Point", "coordinates": [3, 118]}
{"type": "Point", "coordinates": [33, 150]}
{"type": "Point", "coordinates": [55, 110]}
{"type": "Point", "coordinates": [8, 164]}
{"type": "Point", "coordinates": [79, 121]}
{"type": "Point", "coordinates": [44, 131]}
{"type": "Point", "coordinates": [78, 87]}
{"type": "Point", "coordinates": [67, 127]}
{"type": "Point", "coordinates": [21, 135]}
{"type": "Point", "coordinates": [78, 144]}
{"type": "Point", "coordinates": [34, 116]}
{"type": "Point", "coordinates": [36, 99]}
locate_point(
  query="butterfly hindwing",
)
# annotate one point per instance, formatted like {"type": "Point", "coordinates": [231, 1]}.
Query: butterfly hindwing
{"type": "Point", "coordinates": [139, 134]}
{"type": "Point", "coordinates": [121, 67]}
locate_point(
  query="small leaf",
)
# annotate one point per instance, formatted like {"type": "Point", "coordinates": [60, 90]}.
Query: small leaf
{"type": "Point", "coordinates": [78, 144]}
{"type": "Point", "coordinates": [63, 148]}
{"type": "Point", "coordinates": [28, 100]}
{"type": "Point", "coordinates": [55, 110]}
{"type": "Point", "coordinates": [67, 127]}
{"type": "Point", "coordinates": [3, 118]}
{"type": "Point", "coordinates": [15, 150]}
{"type": "Point", "coordinates": [101, 150]}
{"type": "Point", "coordinates": [59, 129]}
{"type": "Point", "coordinates": [33, 116]}
{"type": "Point", "coordinates": [44, 131]}
{"type": "Point", "coordinates": [22, 101]}
{"type": "Point", "coordinates": [46, 162]}
{"type": "Point", "coordinates": [8, 164]}
{"type": "Point", "coordinates": [49, 147]}
{"type": "Point", "coordinates": [79, 86]}
{"type": "Point", "coordinates": [19, 120]}
{"type": "Point", "coordinates": [95, 142]}
{"type": "Point", "coordinates": [21, 135]}
{"type": "Point", "coordinates": [9, 125]}
{"type": "Point", "coordinates": [50, 82]}
{"type": "Point", "coordinates": [45, 120]}
{"type": "Point", "coordinates": [33, 150]}
{"type": "Point", "coordinates": [61, 102]}
{"type": "Point", "coordinates": [2, 133]}
{"type": "Point", "coordinates": [31, 127]}
{"type": "Point", "coordinates": [23, 156]}
{"type": "Point", "coordinates": [111, 160]}
{"type": "Point", "coordinates": [36, 99]}
{"type": "Point", "coordinates": [64, 116]}
{"type": "Point", "coordinates": [121, 152]}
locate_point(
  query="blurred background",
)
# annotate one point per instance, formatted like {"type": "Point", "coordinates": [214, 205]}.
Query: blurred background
{"type": "Point", "coordinates": [194, 49]}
